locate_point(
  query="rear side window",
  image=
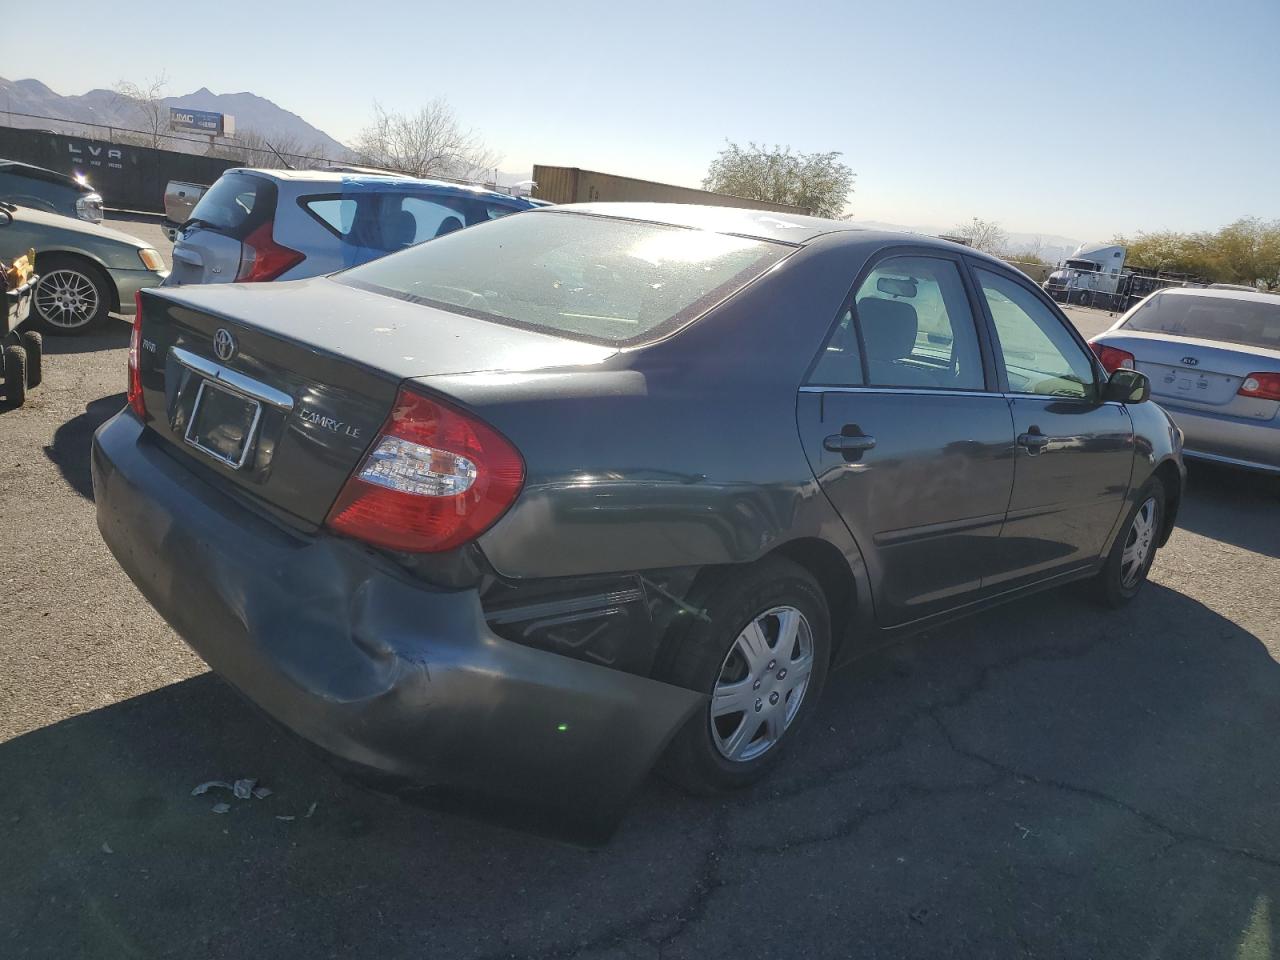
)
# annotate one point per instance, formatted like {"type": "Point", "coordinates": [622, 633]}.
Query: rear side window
{"type": "Point", "coordinates": [385, 220]}
{"type": "Point", "coordinates": [592, 278]}
{"type": "Point", "coordinates": [236, 205]}
{"type": "Point", "coordinates": [1249, 322]}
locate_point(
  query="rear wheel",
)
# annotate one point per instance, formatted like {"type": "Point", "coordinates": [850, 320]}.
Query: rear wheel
{"type": "Point", "coordinates": [762, 660]}
{"type": "Point", "coordinates": [1134, 551]}
{"type": "Point", "coordinates": [15, 376]}
{"type": "Point", "coordinates": [71, 297]}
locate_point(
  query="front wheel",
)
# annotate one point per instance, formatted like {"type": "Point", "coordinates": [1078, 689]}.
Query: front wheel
{"type": "Point", "coordinates": [1134, 551]}
{"type": "Point", "coordinates": [762, 661]}
{"type": "Point", "coordinates": [71, 297]}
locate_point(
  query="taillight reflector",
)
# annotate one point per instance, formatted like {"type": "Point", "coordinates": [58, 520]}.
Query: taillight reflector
{"type": "Point", "coordinates": [1112, 358]}
{"type": "Point", "coordinates": [136, 401]}
{"type": "Point", "coordinates": [1264, 386]}
{"type": "Point", "coordinates": [435, 478]}
{"type": "Point", "coordinates": [263, 259]}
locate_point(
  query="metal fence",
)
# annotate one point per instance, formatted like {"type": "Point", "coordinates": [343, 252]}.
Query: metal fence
{"type": "Point", "coordinates": [1129, 289]}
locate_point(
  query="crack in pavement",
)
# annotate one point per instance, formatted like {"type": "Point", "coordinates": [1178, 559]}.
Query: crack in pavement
{"type": "Point", "coordinates": [1176, 835]}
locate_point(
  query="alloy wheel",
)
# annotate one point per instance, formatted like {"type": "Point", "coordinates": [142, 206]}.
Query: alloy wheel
{"type": "Point", "coordinates": [761, 684]}
{"type": "Point", "coordinates": [1139, 543]}
{"type": "Point", "coordinates": [66, 299]}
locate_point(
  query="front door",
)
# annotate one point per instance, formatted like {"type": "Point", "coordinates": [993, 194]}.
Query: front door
{"type": "Point", "coordinates": [1074, 454]}
{"type": "Point", "coordinates": [908, 438]}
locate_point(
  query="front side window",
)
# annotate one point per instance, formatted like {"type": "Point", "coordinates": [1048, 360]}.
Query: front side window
{"type": "Point", "coordinates": [916, 326]}
{"type": "Point", "coordinates": [593, 278]}
{"type": "Point", "coordinates": [1039, 355]}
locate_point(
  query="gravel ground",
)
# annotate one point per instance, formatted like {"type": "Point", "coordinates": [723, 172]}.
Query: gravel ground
{"type": "Point", "coordinates": [1044, 780]}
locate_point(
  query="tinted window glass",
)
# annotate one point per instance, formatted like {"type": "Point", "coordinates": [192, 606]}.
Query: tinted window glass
{"type": "Point", "coordinates": [337, 213]}
{"type": "Point", "coordinates": [434, 217]}
{"type": "Point", "coordinates": [917, 328]}
{"type": "Point", "coordinates": [236, 204]}
{"type": "Point", "coordinates": [609, 281]}
{"type": "Point", "coordinates": [1040, 356]}
{"type": "Point", "coordinates": [840, 364]}
{"type": "Point", "coordinates": [1249, 322]}
{"type": "Point", "coordinates": [39, 194]}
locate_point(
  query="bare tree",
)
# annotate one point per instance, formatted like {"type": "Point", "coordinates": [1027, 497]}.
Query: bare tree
{"type": "Point", "coordinates": [147, 108]}
{"type": "Point", "coordinates": [982, 235]}
{"type": "Point", "coordinates": [431, 142]}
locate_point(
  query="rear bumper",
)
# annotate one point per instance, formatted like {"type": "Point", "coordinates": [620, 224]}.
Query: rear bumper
{"type": "Point", "coordinates": [381, 670]}
{"type": "Point", "coordinates": [129, 282]}
{"type": "Point", "coordinates": [1252, 444]}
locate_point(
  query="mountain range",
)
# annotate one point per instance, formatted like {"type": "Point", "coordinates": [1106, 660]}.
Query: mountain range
{"type": "Point", "coordinates": [1050, 247]}
{"type": "Point", "coordinates": [53, 111]}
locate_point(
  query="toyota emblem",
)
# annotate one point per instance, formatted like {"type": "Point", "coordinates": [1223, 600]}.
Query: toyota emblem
{"type": "Point", "coordinates": [1190, 361]}
{"type": "Point", "coordinates": [224, 344]}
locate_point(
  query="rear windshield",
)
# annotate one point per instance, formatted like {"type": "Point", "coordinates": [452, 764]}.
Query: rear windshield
{"type": "Point", "coordinates": [1253, 323]}
{"type": "Point", "coordinates": [605, 281]}
{"type": "Point", "coordinates": [236, 204]}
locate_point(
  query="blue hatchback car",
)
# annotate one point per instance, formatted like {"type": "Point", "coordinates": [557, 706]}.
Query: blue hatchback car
{"type": "Point", "coordinates": [257, 225]}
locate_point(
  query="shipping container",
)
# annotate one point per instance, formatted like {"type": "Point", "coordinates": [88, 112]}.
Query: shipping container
{"type": "Point", "coordinates": [574, 185]}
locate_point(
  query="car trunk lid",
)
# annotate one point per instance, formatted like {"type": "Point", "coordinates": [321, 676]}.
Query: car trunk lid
{"type": "Point", "coordinates": [1196, 373]}
{"type": "Point", "coordinates": [277, 390]}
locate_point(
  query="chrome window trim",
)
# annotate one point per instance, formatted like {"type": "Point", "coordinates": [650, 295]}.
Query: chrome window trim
{"type": "Point", "coordinates": [914, 391]}
{"type": "Point", "coordinates": [231, 379]}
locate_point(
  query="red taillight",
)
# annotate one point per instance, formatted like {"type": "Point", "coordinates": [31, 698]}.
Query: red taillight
{"type": "Point", "coordinates": [435, 478]}
{"type": "Point", "coordinates": [1264, 386]}
{"type": "Point", "coordinates": [1112, 358]}
{"type": "Point", "coordinates": [136, 402]}
{"type": "Point", "coordinates": [262, 258]}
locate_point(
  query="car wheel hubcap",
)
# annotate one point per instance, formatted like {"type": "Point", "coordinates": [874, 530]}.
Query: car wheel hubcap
{"type": "Point", "coordinates": [761, 684]}
{"type": "Point", "coordinates": [66, 298]}
{"type": "Point", "coordinates": [1139, 543]}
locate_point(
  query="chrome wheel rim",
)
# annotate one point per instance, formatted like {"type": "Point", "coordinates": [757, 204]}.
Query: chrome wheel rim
{"type": "Point", "coordinates": [66, 298]}
{"type": "Point", "coordinates": [1139, 543]}
{"type": "Point", "coordinates": [761, 684]}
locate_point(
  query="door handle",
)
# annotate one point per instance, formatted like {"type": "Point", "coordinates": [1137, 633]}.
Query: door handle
{"type": "Point", "coordinates": [839, 443]}
{"type": "Point", "coordinates": [1034, 440]}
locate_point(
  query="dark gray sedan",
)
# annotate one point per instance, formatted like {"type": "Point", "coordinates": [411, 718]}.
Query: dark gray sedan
{"type": "Point", "coordinates": [523, 509]}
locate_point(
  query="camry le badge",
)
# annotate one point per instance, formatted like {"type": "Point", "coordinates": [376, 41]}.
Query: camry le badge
{"type": "Point", "coordinates": [224, 344]}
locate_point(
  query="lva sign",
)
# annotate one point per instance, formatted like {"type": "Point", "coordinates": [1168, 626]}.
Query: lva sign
{"type": "Point", "coordinates": [98, 155]}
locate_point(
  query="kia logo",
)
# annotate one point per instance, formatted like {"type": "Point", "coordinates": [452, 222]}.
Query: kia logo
{"type": "Point", "coordinates": [1190, 361]}
{"type": "Point", "coordinates": [224, 344]}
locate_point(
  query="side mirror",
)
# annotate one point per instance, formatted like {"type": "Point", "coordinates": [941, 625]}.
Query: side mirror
{"type": "Point", "coordinates": [1127, 386]}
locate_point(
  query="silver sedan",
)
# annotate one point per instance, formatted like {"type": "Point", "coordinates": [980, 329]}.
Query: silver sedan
{"type": "Point", "coordinates": [1213, 358]}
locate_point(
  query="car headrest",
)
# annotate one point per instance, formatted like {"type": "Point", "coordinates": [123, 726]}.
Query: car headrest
{"type": "Point", "coordinates": [889, 328]}
{"type": "Point", "coordinates": [403, 230]}
{"type": "Point", "coordinates": [448, 225]}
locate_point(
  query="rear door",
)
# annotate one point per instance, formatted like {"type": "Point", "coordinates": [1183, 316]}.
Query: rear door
{"type": "Point", "coordinates": [909, 438]}
{"type": "Point", "coordinates": [209, 248]}
{"type": "Point", "coordinates": [1074, 454]}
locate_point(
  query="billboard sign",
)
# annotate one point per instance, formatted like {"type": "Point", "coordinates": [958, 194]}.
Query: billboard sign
{"type": "Point", "coordinates": [201, 121]}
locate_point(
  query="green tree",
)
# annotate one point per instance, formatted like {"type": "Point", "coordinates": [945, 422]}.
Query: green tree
{"type": "Point", "coordinates": [819, 182]}
{"type": "Point", "coordinates": [1247, 251]}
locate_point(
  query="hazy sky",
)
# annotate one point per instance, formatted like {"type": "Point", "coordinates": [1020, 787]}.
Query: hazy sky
{"type": "Point", "coordinates": [1050, 118]}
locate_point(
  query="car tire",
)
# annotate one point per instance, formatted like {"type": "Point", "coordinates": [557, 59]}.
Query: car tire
{"type": "Point", "coordinates": [73, 296]}
{"type": "Point", "coordinates": [34, 344]}
{"type": "Point", "coordinates": [1120, 580]}
{"type": "Point", "coordinates": [736, 658]}
{"type": "Point", "coordinates": [15, 376]}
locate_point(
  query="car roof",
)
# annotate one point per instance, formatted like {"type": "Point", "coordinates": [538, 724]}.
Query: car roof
{"type": "Point", "coordinates": [1220, 294]}
{"type": "Point", "coordinates": [374, 180]}
{"type": "Point", "coordinates": [41, 173]}
{"type": "Point", "coordinates": [762, 224]}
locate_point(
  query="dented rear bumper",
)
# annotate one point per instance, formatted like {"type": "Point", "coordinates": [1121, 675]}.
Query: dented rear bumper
{"type": "Point", "coordinates": [357, 656]}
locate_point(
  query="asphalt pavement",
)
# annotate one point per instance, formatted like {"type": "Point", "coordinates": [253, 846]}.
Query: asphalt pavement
{"type": "Point", "coordinates": [1044, 780]}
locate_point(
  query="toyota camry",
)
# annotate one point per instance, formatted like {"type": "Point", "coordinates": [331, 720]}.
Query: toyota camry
{"type": "Point", "coordinates": [531, 507]}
